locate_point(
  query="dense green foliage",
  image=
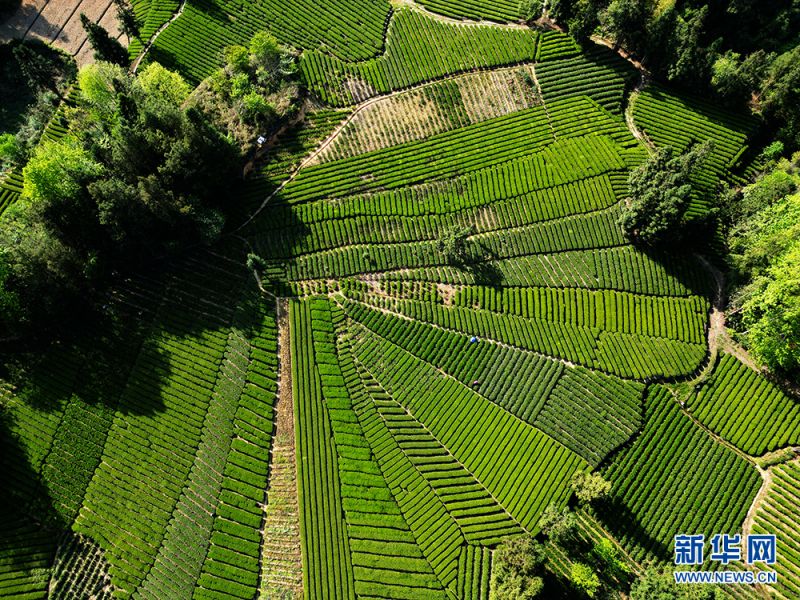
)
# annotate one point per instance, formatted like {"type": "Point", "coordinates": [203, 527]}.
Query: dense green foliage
{"type": "Point", "coordinates": [135, 177]}
{"type": "Point", "coordinates": [517, 569]}
{"type": "Point", "coordinates": [254, 93]}
{"type": "Point", "coordinates": [660, 191]}
{"type": "Point", "coordinates": [764, 240]}
{"type": "Point", "coordinates": [32, 78]}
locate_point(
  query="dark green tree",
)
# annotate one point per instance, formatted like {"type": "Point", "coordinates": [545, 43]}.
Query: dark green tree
{"type": "Point", "coordinates": [584, 19]}
{"type": "Point", "coordinates": [691, 61]}
{"type": "Point", "coordinates": [660, 190]}
{"type": "Point", "coordinates": [626, 21]}
{"type": "Point", "coordinates": [126, 18]}
{"type": "Point", "coordinates": [137, 178]}
{"type": "Point", "coordinates": [105, 47]}
{"type": "Point", "coordinates": [780, 94]}
{"type": "Point", "coordinates": [453, 243]}
{"type": "Point", "coordinates": [517, 569]}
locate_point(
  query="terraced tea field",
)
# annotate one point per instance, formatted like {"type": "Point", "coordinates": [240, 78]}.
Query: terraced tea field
{"type": "Point", "coordinates": [382, 411]}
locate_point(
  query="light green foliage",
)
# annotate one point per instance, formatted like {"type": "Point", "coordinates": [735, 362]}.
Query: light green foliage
{"type": "Point", "coordinates": [96, 81]}
{"type": "Point", "coordinates": [253, 93]}
{"type": "Point", "coordinates": [264, 50]}
{"type": "Point", "coordinates": [158, 82]}
{"type": "Point", "coordinates": [773, 151]}
{"type": "Point", "coordinates": [517, 587]}
{"type": "Point", "coordinates": [8, 148]}
{"type": "Point", "coordinates": [584, 579]}
{"type": "Point", "coordinates": [764, 243]}
{"type": "Point", "coordinates": [239, 85]}
{"type": "Point", "coordinates": [255, 106]}
{"type": "Point", "coordinates": [57, 171]}
{"type": "Point", "coordinates": [771, 315]}
{"type": "Point", "coordinates": [589, 487]}
{"type": "Point", "coordinates": [558, 524]}
{"type": "Point", "coordinates": [762, 194]}
{"type": "Point", "coordinates": [610, 559]}
{"type": "Point", "coordinates": [237, 59]}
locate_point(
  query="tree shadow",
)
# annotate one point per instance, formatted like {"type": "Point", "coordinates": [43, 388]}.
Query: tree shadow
{"type": "Point", "coordinates": [622, 523]}
{"type": "Point", "coordinates": [680, 263]}
{"type": "Point", "coordinates": [29, 518]}
{"type": "Point", "coordinates": [485, 273]}
{"type": "Point", "coordinates": [8, 8]}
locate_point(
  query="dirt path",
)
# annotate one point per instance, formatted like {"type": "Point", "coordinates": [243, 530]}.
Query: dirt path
{"type": "Point", "coordinates": [281, 559]}
{"type": "Point", "coordinates": [152, 40]}
{"type": "Point", "coordinates": [718, 337]}
{"type": "Point", "coordinates": [766, 484]}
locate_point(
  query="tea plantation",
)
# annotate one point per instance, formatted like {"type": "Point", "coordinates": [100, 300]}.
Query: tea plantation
{"type": "Point", "coordinates": [432, 403]}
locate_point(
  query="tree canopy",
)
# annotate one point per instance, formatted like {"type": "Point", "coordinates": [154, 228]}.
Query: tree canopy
{"type": "Point", "coordinates": [660, 191]}
{"type": "Point", "coordinates": [254, 93]}
{"type": "Point", "coordinates": [137, 176]}
{"type": "Point", "coordinates": [764, 241]}
{"type": "Point", "coordinates": [517, 569]}
{"type": "Point", "coordinates": [589, 487]}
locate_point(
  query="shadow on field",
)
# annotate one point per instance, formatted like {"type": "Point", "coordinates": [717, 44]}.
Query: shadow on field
{"type": "Point", "coordinates": [9, 7]}
{"type": "Point", "coordinates": [621, 522]}
{"type": "Point", "coordinates": [210, 10]}
{"type": "Point", "coordinates": [686, 269]}
{"type": "Point", "coordinates": [28, 517]}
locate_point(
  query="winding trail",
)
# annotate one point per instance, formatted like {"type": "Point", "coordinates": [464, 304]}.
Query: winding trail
{"type": "Point", "coordinates": [153, 38]}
